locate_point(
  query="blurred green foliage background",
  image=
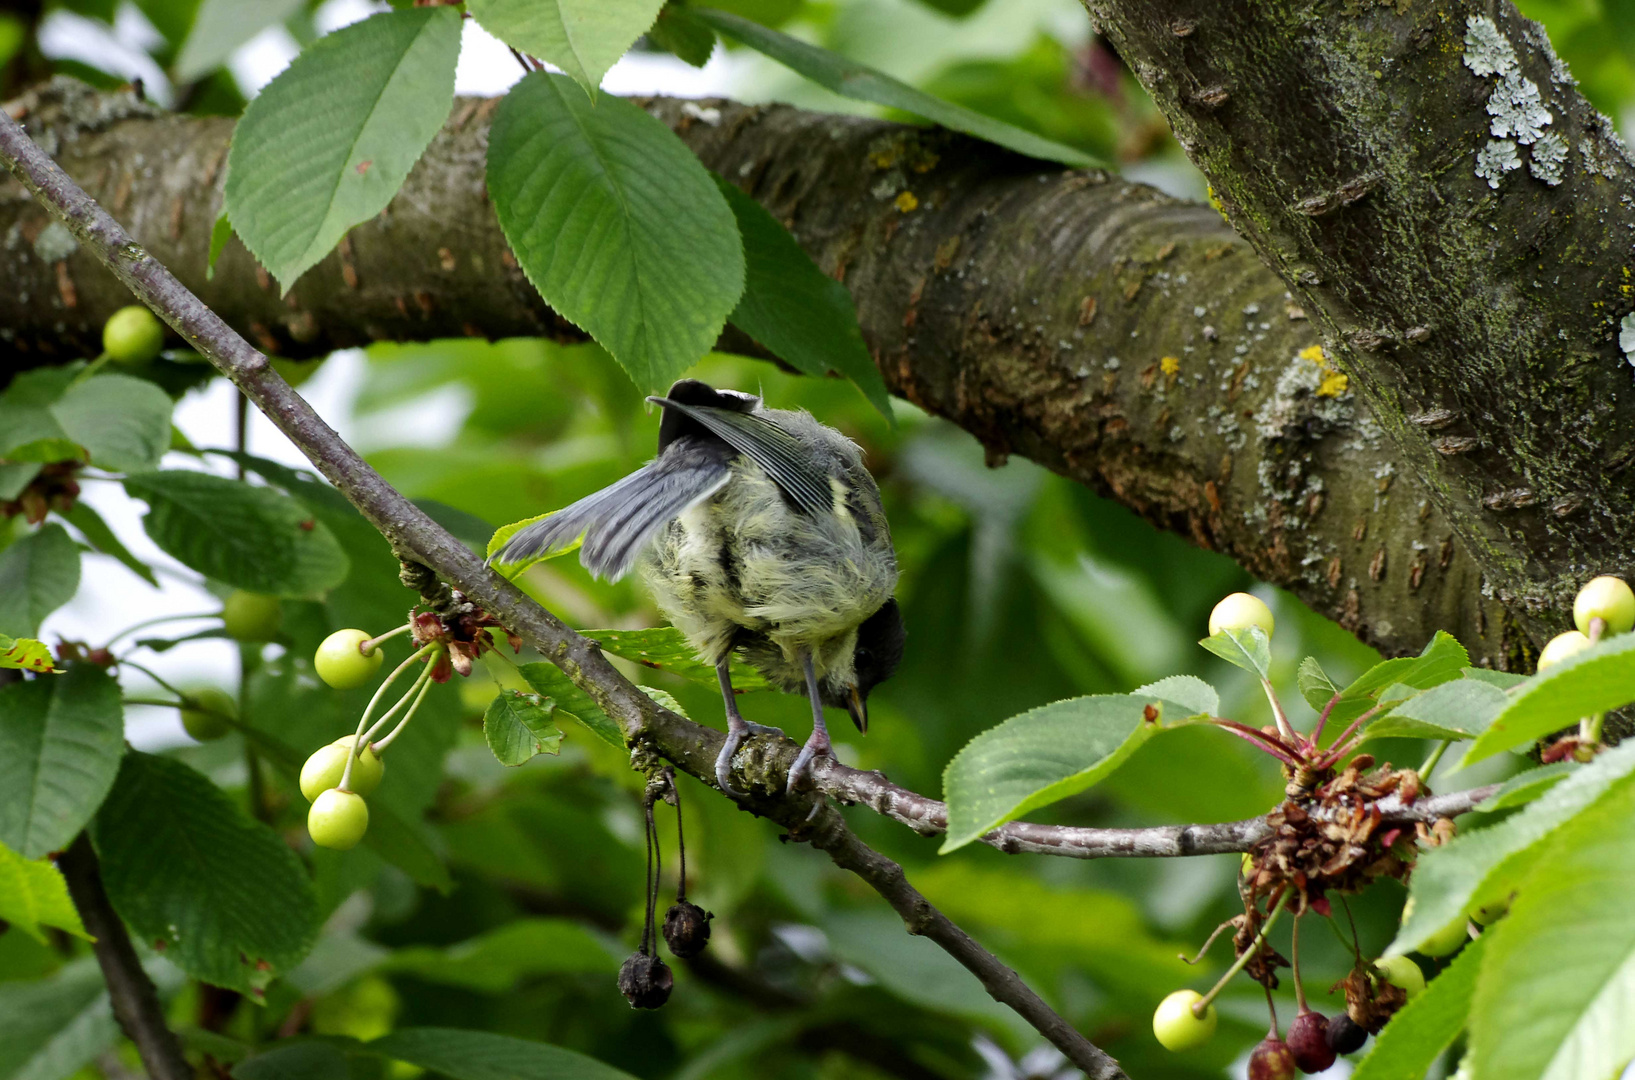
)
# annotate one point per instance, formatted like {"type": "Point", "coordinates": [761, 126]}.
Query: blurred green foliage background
{"type": "Point", "coordinates": [1019, 588]}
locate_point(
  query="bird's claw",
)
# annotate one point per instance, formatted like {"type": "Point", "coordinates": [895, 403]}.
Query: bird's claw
{"type": "Point", "coordinates": [800, 773]}
{"type": "Point", "coordinates": [723, 760]}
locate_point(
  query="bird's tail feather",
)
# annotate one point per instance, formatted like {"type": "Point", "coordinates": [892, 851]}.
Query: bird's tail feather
{"type": "Point", "coordinates": [619, 521]}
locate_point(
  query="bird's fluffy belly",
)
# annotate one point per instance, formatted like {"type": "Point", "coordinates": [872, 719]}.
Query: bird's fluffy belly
{"type": "Point", "coordinates": [744, 568]}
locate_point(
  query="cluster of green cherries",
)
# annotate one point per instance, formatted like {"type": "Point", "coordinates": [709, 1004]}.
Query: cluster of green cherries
{"type": "Point", "coordinates": [1186, 1019]}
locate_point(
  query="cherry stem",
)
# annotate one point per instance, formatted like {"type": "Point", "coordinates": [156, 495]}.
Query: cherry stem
{"type": "Point", "coordinates": [367, 647]}
{"type": "Point", "coordinates": [1283, 726]}
{"type": "Point", "coordinates": [425, 686]}
{"type": "Point", "coordinates": [1207, 943]}
{"type": "Point", "coordinates": [363, 724]}
{"type": "Point", "coordinates": [419, 681]}
{"type": "Point", "coordinates": [1431, 762]}
{"type": "Point", "coordinates": [1200, 1006]}
{"type": "Point", "coordinates": [1271, 1007]}
{"type": "Point", "coordinates": [160, 619]}
{"type": "Point", "coordinates": [1294, 967]}
{"type": "Point", "coordinates": [1322, 717]}
{"type": "Point", "coordinates": [1598, 627]}
{"type": "Point", "coordinates": [1259, 738]}
{"type": "Point", "coordinates": [187, 698]}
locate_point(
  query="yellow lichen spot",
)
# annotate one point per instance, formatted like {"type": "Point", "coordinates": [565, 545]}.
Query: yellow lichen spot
{"type": "Point", "coordinates": [1169, 365]}
{"type": "Point", "coordinates": [884, 158]}
{"type": "Point", "coordinates": [906, 201]}
{"type": "Point", "coordinates": [1314, 353]}
{"type": "Point", "coordinates": [1334, 384]}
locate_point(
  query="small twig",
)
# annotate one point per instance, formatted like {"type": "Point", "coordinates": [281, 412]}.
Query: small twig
{"type": "Point", "coordinates": [135, 999]}
{"type": "Point", "coordinates": [1248, 954]}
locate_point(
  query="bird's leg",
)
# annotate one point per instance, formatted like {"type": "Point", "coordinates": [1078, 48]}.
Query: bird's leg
{"type": "Point", "coordinates": [737, 729]}
{"type": "Point", "coordinates": [800, 773]}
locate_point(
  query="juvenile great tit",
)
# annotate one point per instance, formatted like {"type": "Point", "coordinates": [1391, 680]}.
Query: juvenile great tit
{"type": "Point", "coordinates": [760, 533]}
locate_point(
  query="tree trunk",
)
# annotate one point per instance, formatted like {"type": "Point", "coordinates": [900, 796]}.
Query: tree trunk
{"type": "Point", "coordinates": [1119, 337]}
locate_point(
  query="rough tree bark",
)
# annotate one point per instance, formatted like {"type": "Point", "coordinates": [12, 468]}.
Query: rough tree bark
{"type": "Point", "coordinates": [1374, 153]}
{"type": "Point", "coordinates": [1033, 306]}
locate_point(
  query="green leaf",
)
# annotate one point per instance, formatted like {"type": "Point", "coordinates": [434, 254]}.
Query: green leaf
{"type": "Point", "coordinates": [1554, 998]}
{"type": "Point", "coordinates": [1419, 1032]}
{"type": "Point", "coordinates": [1460, 709]}
{"type": "Point", "coordinates": [25, 654]}
{"type": "Point", "coordinates": [14, 479]}
{"type": "Point", "coordinates": [38, 575]}
{"type": "Point", "coordinates": [803, 315]}
{"type": "Point", "coordinates": [582, 37]}
{"type": "Point", "coordinates": [329, 141]}
{"type": "Point", "coordinates": [1526, 787]}
{"type": "Point", "coordinates": [122, 422]}
{"type": "Point", "coordinates": [300, 1059]}
{"type": "Point", "coordinates": [33, 894]}
{"type": "Point", "coordinates": [862, 83]}
{"type": "Point", "coordinates": [249, 537]}
{"type": "Point", "coordinates": [60, 746]}
{"type": "Point", "coordinates": [1443, 659]}
{"type": "Point", "coordinates": [547, 679]}
{"type": "Point", "coordinates": [1187, 691]}
{"type": "Point", "coordinates": [518, 727]}
{"type": "Point", "coordinates": [220, 27]}
{"type": "Point", "coordinates": [52, 1027]}
{"type": "Point", "coordinates": [1041, 756]}
{"type": "Point", "coordinates": [1315, 685]}
{"type": "Point", "coordinates": [28, 430]}
{"type": "Point", "coordinates": [1487, 862]}
{"type": "Point", "coordinates": [505, 532]}
{"type": "Point", "coordinates": [1601, 677]}
{"type": "Point", "coordinates": [678, 31]}
{"type": "Point", "coordinates": [192, 874]}
{"type": "Point", "coordinates": [479, 1055]}
{"type": "Point", "coordinates": [495, 962]}
{"type": "Point", "coordinates": [1249, 648]}
{"type": "Point", "coordinates": [1504, 680]}
{"type": "Point", "coordinates": [220, 233]}
{"type": "Point", "coordinates": [102, 538]}
{"type": "Point", "coordinates": [616, 223]}
{"type": "Point", "coordinates": [666, 649]}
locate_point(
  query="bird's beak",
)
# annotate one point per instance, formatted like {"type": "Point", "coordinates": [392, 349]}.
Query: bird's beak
{"type": "Point", "coordinates": [859, 710]}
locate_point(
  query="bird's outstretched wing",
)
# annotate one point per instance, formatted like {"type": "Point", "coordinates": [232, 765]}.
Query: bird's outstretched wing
{"type": "Point", "coordinates": [620, 520]}
{"type": "Point", "coordinates": [776, 451]}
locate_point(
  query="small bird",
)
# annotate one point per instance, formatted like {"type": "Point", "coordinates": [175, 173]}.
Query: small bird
{"type": "Point", "coordinates": [760, 533]}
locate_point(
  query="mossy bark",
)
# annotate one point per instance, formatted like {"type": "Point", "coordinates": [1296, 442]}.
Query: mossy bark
{"type": "Point", "coordinates": [1477, 314]}
{"type": "Point", "coordinates": [1124, 339]}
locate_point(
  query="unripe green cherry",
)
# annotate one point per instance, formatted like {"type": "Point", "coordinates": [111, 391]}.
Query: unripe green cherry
{"type": "Point", "coordinates": [338, 819]}
{"type": "Point", "coordinates": [208, 717]}
{"type": "Point", "coordinates": [1448, 940]}
{"type": "Point", "coordinates": [1175, 1025]}
{"type": "Point", "coordinates": [1606, 598]}
{"type": "Point", "coordinates": [1401, 973]}
{"type": "Point", "coordinates": [133, 335]}
{"type": "Point", "coordinates": [1561, 647]}
{"type": "Point", "coordinates": [341, 665]}
{"type": "Point", "coordinates": [1488, 913]}
{"type": "Point", "coordinates": [326, 766]}
{"type": "Point", "coordinates": [1239, 612]}
{"type": "Point", "coordinates": [249, 616]}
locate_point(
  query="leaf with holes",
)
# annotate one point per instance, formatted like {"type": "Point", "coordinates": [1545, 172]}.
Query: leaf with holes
{"type": "Point", "coordinates": [848, 78]}
{"type": "Point", "coordinates": [1040, 757]}
{"type": "Point", "coordinates": [582, 37]}
{"type": "Point", "coordinates": [790, 306]}
{"type": "Point", "coordinates": [219, 893]}
{"type": "Point", "coordinates": [518, 727]}
{"type": "Point", "coordinates": [329, 141]}
{"type": "Point", "coordinates": [33, 894]}
{"type": "Point", "coordinates": [616, 223]}
{"type": "Point", "coordinates": [25, 654]}
{"type": "Point", "coordinates": [60, 746]}
{"type": "Point", "coordinates": [252, 538]}
{"type": "Point", "coordinates": [38, 575]}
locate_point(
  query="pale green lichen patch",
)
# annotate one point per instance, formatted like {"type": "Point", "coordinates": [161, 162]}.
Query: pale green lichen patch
{"type": "Point", "coordinates": [55, 242]}
{"type": "Point", "coordinates": [1626, 337]}
{"type": "Point", "coordinates": [1516, 106]}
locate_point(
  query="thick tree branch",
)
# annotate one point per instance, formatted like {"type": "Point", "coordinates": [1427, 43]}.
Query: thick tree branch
{"type": "Point", "coordinates": [135, 999]}
{"type": "Point", "coordinates": [415, 537]}
{"type": "Point", "coordinates": [1034, 307]}
{"type": "Point", "coordinates": [1477, 308]}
